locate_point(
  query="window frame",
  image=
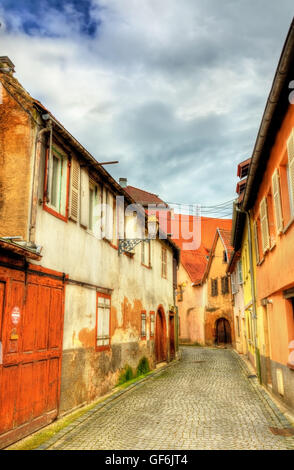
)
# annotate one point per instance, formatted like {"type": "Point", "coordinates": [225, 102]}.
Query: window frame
{"type": "Point", "coordinates": [214, 287]}
{"type": "Point", "coordinates": [143, 332]}
{"type": "Point", "coordinates": [104, 347]}
{"type": "Point", "coordinates": [47, 206]}
{"type": "Point", "coordinates": [163, 262]}
{"type": "Point", "coordinates": [152, 321]}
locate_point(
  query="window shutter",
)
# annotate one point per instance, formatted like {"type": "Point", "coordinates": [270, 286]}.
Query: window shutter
{"type": "Point", "coordinates": [103, 332]}
{"type": "Point", "coordinates": [264, 225]}
{"type": "Point", "coordinates": [84, 209]}
{"type": "Point", "coordinates": [74, 190]}
{"type": "Point", "coordinates": [255, 235]}
{"type": "Point", "coordinates": [290, 146]}
{"type": "Point", "coordinates": [277, 200]}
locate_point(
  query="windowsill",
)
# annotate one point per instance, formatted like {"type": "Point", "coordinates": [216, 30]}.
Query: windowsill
{"type": "Point", "coordinates": [260, 262]}
{"type": "Point", "coordinates": [102, 348]}
{"type": "Point", "coordinates": [288, 225]}
{"type": "Point", "coordinates": [145, 266]}
{"type": "Point", "coordinates": [53, 212]}
{"type": "Point", "coordinates": [110, 243]}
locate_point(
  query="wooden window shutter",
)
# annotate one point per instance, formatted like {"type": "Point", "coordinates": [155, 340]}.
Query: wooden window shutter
{"type": "Point", "coordinates": [255, 235]}
{"type": "Point", "coordinates": [264, 225]}
{"type": "Point", "coordinates": [84, 206]}
{"type": "Point", "coordinates": [290, 147]}
{"type": "Point", "coordinates": [74, 190]}
{"type": "Point", "coordinates": [277, 201]}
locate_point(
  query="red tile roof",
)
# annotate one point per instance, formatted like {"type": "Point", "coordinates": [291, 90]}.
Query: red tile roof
{"type": "Point", "coordinates": [143, 197]}
{"type": "Point", "coordinates": [226, 238]}
{"type": "Point", "coordinates": [195, 261]}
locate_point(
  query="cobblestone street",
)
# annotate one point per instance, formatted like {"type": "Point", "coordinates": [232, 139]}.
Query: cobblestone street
{"type": "Point", "coordinates": [205, 401]}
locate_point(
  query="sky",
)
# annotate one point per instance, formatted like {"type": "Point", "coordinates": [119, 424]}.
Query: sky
{"type": "Point", "coordinates": [174, 90]}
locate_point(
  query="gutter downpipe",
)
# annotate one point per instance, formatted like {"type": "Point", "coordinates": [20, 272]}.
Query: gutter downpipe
{"type": "Point", "coordinates": [253, 293]}
{"type": "Point", "coordinates": [34, 197]}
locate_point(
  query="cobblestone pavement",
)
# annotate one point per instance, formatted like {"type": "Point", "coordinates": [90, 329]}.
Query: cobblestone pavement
{"type": "Point", "coordinates": [205, 401]}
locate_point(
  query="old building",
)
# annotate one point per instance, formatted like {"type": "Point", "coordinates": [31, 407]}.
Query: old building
{"type": "Point", "coordinates": [218, 321]}
{"type": "Point", "coordinates": [266, 212]}
{"type": "Point", "coordinates": [87, 294]}
{"type": "Point", "coordinates": [236, 275]}
{"type": "Point", "coordinates": [192, 291]}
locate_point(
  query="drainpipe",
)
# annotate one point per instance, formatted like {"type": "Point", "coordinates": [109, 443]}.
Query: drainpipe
{"type": "Point", "coordinates": [253, 293]}
{"type": "Point", "coordinates": [34, 197]}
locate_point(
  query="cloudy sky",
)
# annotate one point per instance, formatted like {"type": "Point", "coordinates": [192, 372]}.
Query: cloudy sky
{"type": "Point", "coordinates": [174, 90]}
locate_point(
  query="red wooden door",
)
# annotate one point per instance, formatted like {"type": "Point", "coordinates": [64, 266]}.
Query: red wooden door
{"type": "Point", "coordinates": [160, 337]}
{"type": "Point", "coordinates": [32, 329]}
{"type": "Point", "coordinates": [172, 336]}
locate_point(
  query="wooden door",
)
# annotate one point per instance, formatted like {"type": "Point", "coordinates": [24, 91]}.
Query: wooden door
{"type": "Point", "coordinates": [32, 332]}
{"type": "Point", "coordinates": [172, 336]}
{"type": "Point", "coordinates": [160, 337]}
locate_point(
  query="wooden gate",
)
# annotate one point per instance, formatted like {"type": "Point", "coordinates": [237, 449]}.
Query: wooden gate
{"type": "Point", "coordinates": [31, 330]}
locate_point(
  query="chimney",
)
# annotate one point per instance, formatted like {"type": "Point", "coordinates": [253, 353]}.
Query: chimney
{"type": "Point", "coordinates": [6, 65]}
{"type": "Point", "coordinates": [123, 182]}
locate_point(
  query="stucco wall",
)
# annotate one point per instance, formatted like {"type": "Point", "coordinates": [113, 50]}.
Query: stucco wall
{"type": "Point", "coordinates": [219, 306]}
{"type": "Point", "coordinates": [16, 151]}
{"type": "Point", "coordinates": [69, 248]}
{"type": "Point", "coordinates": [191, 310]}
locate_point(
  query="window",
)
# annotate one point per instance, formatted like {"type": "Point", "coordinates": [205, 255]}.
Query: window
{"type": "Point", "coordinates": [234, 282]}
{"type": "Point", "coordinates": [277, 201]}
{"type": "Point", "coordinates": [256, 241]}
{"type": "Point", "coordinates": [152, 324]}
{"type": "Point", "coordinates": [238, 326]}
{"type": "Point", "coordinates": [240, 273]}
{"type": "Point", "coordinates": [290, 190]}
{"type": "Point", "coordinates": [290, 148]}
{"type": "Point", "coordinates": [163, 263]}
{"type": "Point", "coordinates": [92, 202]}
{"type": "Point", "coordinates": [103, 321]}
{"type": "Point", "coordinates": [145, 253]}
{"type": "Point", "coordinates": [264, 225]}
{"type": "Point", "coordinates": [143, 324]}
{"type": "Point", "coordinates": [214, 287]}
{"type": "Point", "coordinates": [225, 285]}
{"type": "Point", "coordinates": [225, 257]}
{"type": "Point", "coordinates": [56, 184]}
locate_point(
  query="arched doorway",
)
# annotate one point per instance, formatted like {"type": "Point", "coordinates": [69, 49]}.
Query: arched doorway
{"type": "Point", "coordinates": [223, 331]}
{"type": "Point", "coordinates": [160, 336]}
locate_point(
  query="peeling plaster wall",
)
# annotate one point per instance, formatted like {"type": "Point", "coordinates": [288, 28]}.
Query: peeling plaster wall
{"type": "Point", "coordinates": [17, 137]}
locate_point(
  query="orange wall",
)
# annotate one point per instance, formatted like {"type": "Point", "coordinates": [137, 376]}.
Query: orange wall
{"type": "Point", "coordinates": [276, 272]}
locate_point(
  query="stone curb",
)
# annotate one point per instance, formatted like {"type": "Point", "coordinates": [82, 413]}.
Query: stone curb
{"type": "Point", "coordinates": [277, 417]}
{"type": "Point", "coordinates": [60, 434]}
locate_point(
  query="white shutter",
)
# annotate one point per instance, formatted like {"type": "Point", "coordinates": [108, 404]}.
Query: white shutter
{"type": "Point", "coordinates": [74, 190]}
{"type": "Point", "coordinates": [84, 207]}
{"type": "Point", "coordinates": [277, 201]}
{"type": "Point", "coordinates": [103, 334]}
{"type": "Point", "coordinates": [264, 225]}
{"type": "Point", "coordinates": [255, 235]}
{"type": "Point", "coordinates": [290, 147]}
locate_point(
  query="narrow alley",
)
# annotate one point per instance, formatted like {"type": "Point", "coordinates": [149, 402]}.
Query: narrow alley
{"type": "Point", "coordinates": [204, 401]}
